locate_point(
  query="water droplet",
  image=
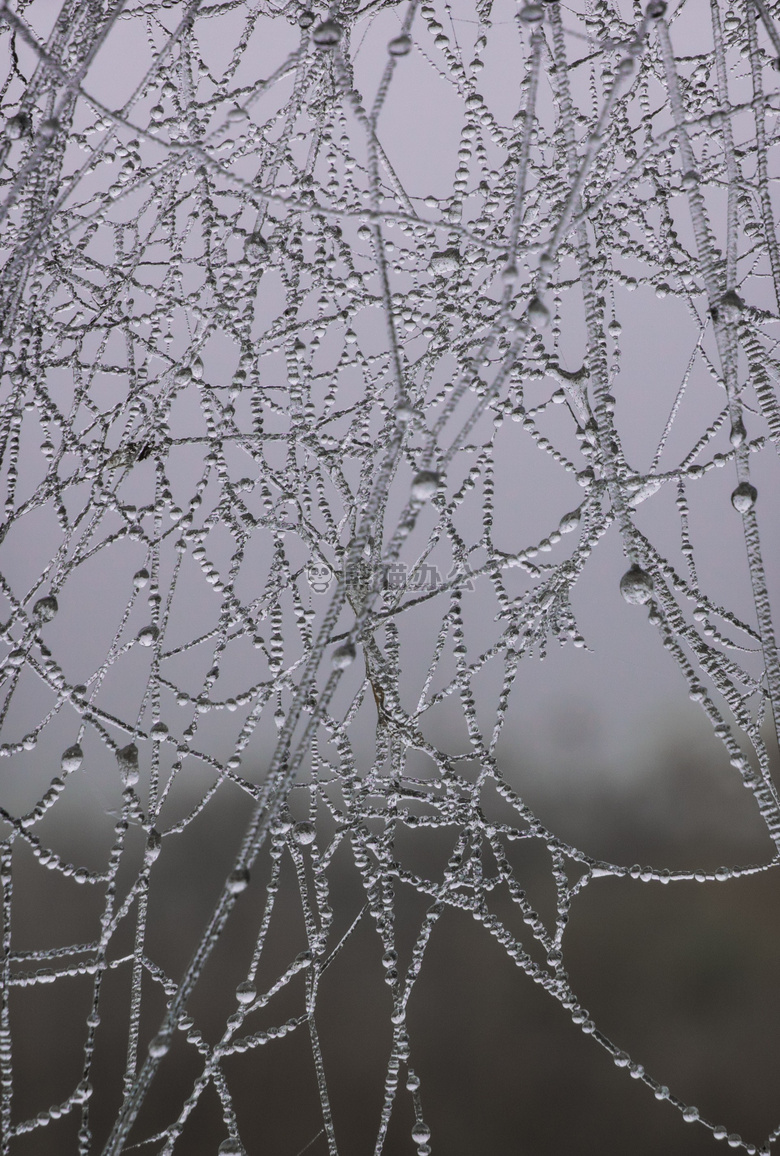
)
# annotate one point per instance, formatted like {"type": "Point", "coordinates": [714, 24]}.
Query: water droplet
{"type": "Point", "coordinates": [732, 300]}
{"type": "Point", "coordinates": [690, 1115]}
{"type": "Point", "coordinates": [246, 992]}
{"type": "Point", "coordinates": [327, 34]}
{"type": "Point", "coordinates": [636, 586]}
{"type": "Point", "coordinates": [569, 522]}
{"type": "Point", "coordinates": [140, 578]}
{"type": "Point", "coordinates": [304, 833]}
{"type": "Point", "coordinates": [421, 1133]}
{"type": "Point", "coordinates": [238, 881]}
{"type": "Point", "coordinates": [45, 608]}
{"type": "Point", "coordinates": [690, 180]}
{"type": "Point", "coordinates": [538, 314]}
{"type": "Point", "coordinates": [255, 247]}
{"type": "Point", "coordinates": [147, 635]}
{"type": "Point", "coordinates": [744, 497]}
{"type": "Point", "coordinates": [425, 485]}
{"type": "Point", "coordinates": [279, 717]}
{"type": "Point", "coordinates": [305, 18]}
{"type": "Point", "coordinates": [655, 9]}
{"type": "Point", "coordinates": [72, 758]}
{"type": "Point", "coordinates": [231, 1147]}
{"type": "Point", "coordinates": [445, 263]}
{"type": "Point", "coordinates": [153, 845]}
{"type": "Point", "coordinates": [159, 1046]}
{"type": "Point", "coordinates": [343, 656]}
{"type": "Point", "coordinates": [49, 128]}
{"type": "Point", "coordinates": [404, 411]}
{"type": "Point", "coordinates": [532, 13]}
{"type": "Point", "coordinates": [16, 126]}
{"type": "Point", "coordinates": [662, 290]}
{"type": "Point", "coordinates": [400, 45]}
{"type": "Point", "coordinates": [236, 114]}
{"type": "Point", "coordinates": [127, 760]}
{"type": "Point", "coordinates": [738, 432]}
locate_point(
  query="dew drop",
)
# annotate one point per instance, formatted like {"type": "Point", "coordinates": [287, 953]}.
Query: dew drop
{"type": "Point", "coordinates": [343, 656]}
{"type": "Point", "coordinates": [304, 833]}
{"type": "Point", "coordinates": [255, 247]}
{"type": "Point", "coordinates": [744, 497]}
{"type": "Point", "coordinates": [153, 845]}
{"type": "Point", "coordinates": [231, 1147]}
{"type": "Point", "coordinates": [404, 411]}
{"type": "Point", "coordinates": [159, 1046]}
{"type": "Point", "coordinates": [45, 608]}
{"type": "Point", "coordinates": [16, 126]}
{"type": "Point", "coordinates": [690, 180]}
{"type": "Point", "coordinates": [445, 263]}
{"type": "Point", "coordinates": [147, 635]}
{"type": "Point", "coordinates": [72, 758]}
{"type": "Point", "coordinates": [569, 522]}
{"type": "Point", "coordinates": [400, 45]}
{"type": "Point", "coordinates": [127, 760]}
{"type": "Point", "coordinates": [738, 433]}
{"type": "Point", "coordinates": [279, 717]}
{"type": "Point", "coordinates": [238, 881]}
{"type": "Point", "coordinates": [655, 9]}
{"type": "Point", "coordinates": [327, 34]}
{"type": "Point", "coordinates": [140, 578]}
{"type": "Point", "coordinates": [538, 313]}
{"type": "Point", "coordinates": [306, 18]}
{"type": "Point", "coordinates": [636, 586]}
{"type": "Point", "coordinates": [690, 1115]}
{"type": "Point", "coordinates": [425, 485]}
{"type": "Point", "coordinates": [246, 992]}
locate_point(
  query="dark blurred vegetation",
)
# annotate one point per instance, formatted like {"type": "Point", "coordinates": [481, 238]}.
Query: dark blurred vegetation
{"type": "Point", "coordinates": [685, 977]}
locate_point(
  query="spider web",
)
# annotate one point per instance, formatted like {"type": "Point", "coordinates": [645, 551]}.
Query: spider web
{"type": "Point", "coordinates": [260, 390]}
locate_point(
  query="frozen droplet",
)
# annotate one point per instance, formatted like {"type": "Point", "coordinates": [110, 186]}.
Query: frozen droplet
{"type": "Point", "coordinates": [16, 126]}
{"type": "Point", "coordinates": [45, 608]}
{"type": "Point", "coordinates": [404, 411]}
{"type": "Point", "coordinates": [147, 635]}
{"type": "Point", "coordinates": [655, 9]}
{"type": "Point", "coordinates": [159, 1046]}
{"type": "Point", "coordinates": [246, 992]}
{"type": "Point", "coordinates": [304, 832]}
{"type": "Point", "coordinates": [231, 1147]}
{"type": "Point", "coordinates": [690, 1115]}
{"type": "Point", "coordinates": [400, 45]}
{"type": "Point", "coordinates": [738, 432]}
{"type": "Point", "coordinates": [690, 180]}
{"type": "Point", "coordinates": [569, 522]}
{"type": "Point", "coordinates": [425, 485]}
{"type": "Point", "coordinates": [538, 314]}
{"type": "Point", "coordinates": [236, 114]}
{"type": "Point", "coordinates": [636, 586]}
{"type": "Point", "coordinates": [744, 497]}
{"type": "Point", "coordinates": [153, 845]}
{"type": "Point", "coordinates": [445, 263]}
{"type": "Point", "coordinates": [255, 247]}
{"type": "Point", "coordinates": [279, 717]}
{"type": "Point", "coordinates": [140, 578]}
{"type": "Point", "coordinates": [732, 300]}
{"type": "Point", "coordinates": [327, 34]}
{"type": "Point", "coordinates": [49, 128]}
{"type": "Point", "coordinates": [343, 656]}
{"type": "Point", "coordinates": [421, 1133]}
{"type": "Point", "coordinates": [662, 290]}
{"type": "Point", "coordinates": [238, 881]}
{"type": "Point", "coordinates": [305, 18]}
{"type": "Point", "coordinates": [127, 760]}
{"type": "Point", "coordinates": [532, 13]}
{"type": "Point", "coordinates": [72, 758]}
